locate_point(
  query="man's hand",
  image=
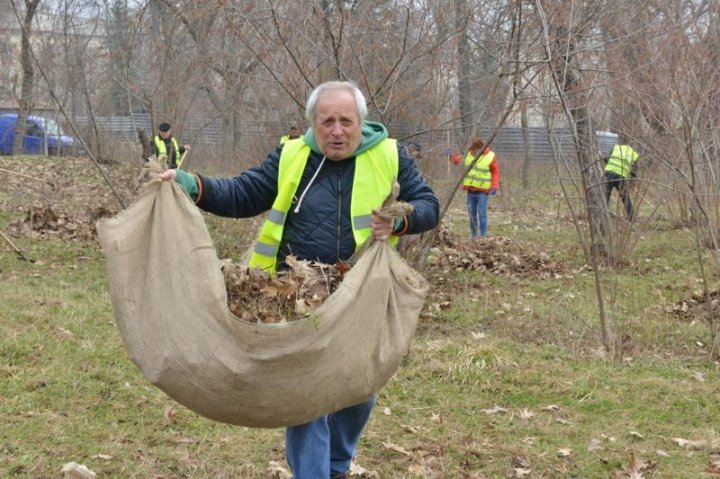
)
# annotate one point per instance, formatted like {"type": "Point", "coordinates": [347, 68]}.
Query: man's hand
{"type": "Point", "coordinates": [381, 226]}
{"type": "Point", "coordinates": [188, 181]}
{"type": "Point", "coordinates": [168, 175]}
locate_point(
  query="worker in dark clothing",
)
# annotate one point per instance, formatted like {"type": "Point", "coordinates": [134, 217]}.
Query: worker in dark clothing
{"type": "Point", "coordinates": [165, 147]}
{"type": "Point", "coordinates": [620, 168]}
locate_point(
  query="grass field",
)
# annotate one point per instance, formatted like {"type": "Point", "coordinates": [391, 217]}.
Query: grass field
{"type": "Point", "coordinates": [506, 377]}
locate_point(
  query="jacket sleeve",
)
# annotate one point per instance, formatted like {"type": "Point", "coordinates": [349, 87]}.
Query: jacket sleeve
{"type": "Point", "coordinates": [416, 191]}
{"type": "Point", "coordinates": [243, 196]}
{"type": "Point", "coordinates": [494, 174]}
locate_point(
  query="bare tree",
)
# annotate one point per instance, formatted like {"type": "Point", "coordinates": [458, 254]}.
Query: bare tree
{"type": "Point", "coordinates": [28, 72]}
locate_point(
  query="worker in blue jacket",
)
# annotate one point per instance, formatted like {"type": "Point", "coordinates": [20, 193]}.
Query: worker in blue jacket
{"type": "Point", "coordinates": [322, 193]}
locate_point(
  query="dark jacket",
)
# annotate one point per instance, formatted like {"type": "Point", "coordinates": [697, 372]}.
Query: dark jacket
{"type": "Point", "coordinates": [321, 230]}
{"type": "Point", "coordinates": [169, 148]}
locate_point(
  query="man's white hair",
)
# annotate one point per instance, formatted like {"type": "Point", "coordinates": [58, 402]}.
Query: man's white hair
{"type": "Point", "coordinates": [335, 85]}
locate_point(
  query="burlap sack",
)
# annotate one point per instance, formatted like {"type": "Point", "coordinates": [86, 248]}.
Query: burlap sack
{"type": "Point", "coordinates": [170, 304]}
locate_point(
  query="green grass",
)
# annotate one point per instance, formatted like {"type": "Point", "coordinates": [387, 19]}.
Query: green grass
{"type": "Point", "coordinates": [512, 375]}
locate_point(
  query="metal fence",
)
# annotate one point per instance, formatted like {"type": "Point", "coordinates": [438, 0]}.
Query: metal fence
{"type": "Point", "coordinates": [544, 144]}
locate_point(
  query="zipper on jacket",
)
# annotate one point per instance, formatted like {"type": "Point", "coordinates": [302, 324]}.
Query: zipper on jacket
{"type": "Point", "coordinates": [339, 216]}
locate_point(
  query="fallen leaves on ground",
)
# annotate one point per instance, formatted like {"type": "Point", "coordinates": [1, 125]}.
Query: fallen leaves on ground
{"type": "Point", "coordinates": [64, 197]}
{"type": "Point", "coordinates": [700, 305]}
{"type": "Point", "coordinates": [47, 221]}
{"type": "Point", "coordinates": [504, 256]}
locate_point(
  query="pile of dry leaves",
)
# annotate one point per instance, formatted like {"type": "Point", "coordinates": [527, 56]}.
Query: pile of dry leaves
{"type": "Point", "coordinates": [699, 306]}
{"type": "Point", "coordinates": [48, 221]}
{"type": "Point", "coordinates": [504, 256]}
{"type": "Point", "coordinates": [292, 294]}
{"type": "Point", "coordinates": [63, 197]}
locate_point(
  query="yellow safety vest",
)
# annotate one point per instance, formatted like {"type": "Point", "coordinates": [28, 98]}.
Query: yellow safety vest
{"type": "Point", "coordinates": [375, 171]}
{"type": "Point", "coordinates": [621, 160]}
{"type": "Point", "coordinates": [479, 176]}
{"type": "Point", "coordinates": [162, 151]}
{"type": "Point", "coordinates": [284, 139]}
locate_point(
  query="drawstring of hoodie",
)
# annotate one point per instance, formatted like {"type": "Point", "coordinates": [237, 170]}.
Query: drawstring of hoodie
{"type": "Point", "coordinates": [302, 196]}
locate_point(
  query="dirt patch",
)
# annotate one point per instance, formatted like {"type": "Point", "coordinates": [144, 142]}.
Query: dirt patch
{"type": "Point", "coordinates": [504, 256]}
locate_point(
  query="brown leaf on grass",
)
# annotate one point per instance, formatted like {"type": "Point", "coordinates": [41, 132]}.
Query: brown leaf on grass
{"type": "Point", "coordinates": [713, 467]}
{"type": "Point", "coordinates": [186, 440]}
{"type": "Point", "coordinates": [636, 469]}
{"type": "Point", "coordinates": [690, 444]}
{"type": "Point", "coordinates": [73, 470]}
{"type": "Point", "coordinates": [519, 472]}
{"type": "Point", "coordinates": [275, 471]}
{"type": "Point", "coordinates": [495, 410]}
{"type": "Point", "coordinates": [356, 470]}
{"type": "Point", "coordinates": [394, 447]}
{"type": "Point", "coordinates": [564, 452]}
{"type": "Point", "coordinates": [526, 414]}
{"type": "Point", "coordinates": [170, 414]}
{"type": "Point", "coordinates": [594, 444]}
{"type": "Point", "coordinates": [410, 429]}
{"type": "Point", "coordinates": [519, 462]}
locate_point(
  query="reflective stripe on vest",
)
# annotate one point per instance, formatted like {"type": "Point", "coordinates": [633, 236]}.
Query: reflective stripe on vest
{"type": "Point", "coordinates": [621, 160]}
{"type": "Point", "coordinates": [375, 170]}
{"type": "Point", "coordinates": [162, 151]}
{"type": "Point", "coordinates": [479, 176]}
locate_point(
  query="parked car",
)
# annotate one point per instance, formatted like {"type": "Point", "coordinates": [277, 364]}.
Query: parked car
{"type": "Point", "coordinates": [42, 136]}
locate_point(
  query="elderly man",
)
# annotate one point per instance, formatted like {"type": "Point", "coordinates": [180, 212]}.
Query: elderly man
{"type": "Point", "coordinates": [323, 191]}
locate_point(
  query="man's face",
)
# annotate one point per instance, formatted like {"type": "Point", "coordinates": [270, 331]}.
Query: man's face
{"type": "Point", "coordinates": [166, 134]}
{"type": "Point", "coordinates": [294, 133]}
{"type": "Point", "coordinates": [338, 129]}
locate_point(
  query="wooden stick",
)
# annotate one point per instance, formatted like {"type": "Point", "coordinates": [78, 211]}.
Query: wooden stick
{"type": "Point", "coordinates": [17, 250]}
{"type": "Point", "coordinates": [21, 174]}
{"type": "Point", "coordinates": [182, 158]}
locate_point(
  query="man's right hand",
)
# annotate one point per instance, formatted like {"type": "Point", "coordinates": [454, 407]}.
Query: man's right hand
{"type": "Point", "coordinates": [168, 175]}
{"type": "Point", "coordinates": [188, 181]}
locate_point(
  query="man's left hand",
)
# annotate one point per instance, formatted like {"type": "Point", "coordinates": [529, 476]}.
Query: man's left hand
{"type": "Point", "coordinates": [381, 227]}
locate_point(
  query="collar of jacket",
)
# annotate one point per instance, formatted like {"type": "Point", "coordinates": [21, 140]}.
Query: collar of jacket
{"type": "Point", "coordinates": [372, 134]}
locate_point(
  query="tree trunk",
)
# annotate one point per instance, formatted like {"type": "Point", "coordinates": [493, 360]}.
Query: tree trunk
{"type": "Point", "coordinates": [25, 100]}
{"type": "Point", "coordinates": [465, 87]}
{"type": "Point", "coordinates": [526, 144]}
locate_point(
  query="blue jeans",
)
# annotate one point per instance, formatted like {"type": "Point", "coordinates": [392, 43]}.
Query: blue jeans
{"type": "Point", "coordinates": [325, 446]}
{"type": "Point", "coordinates": [477, 209]}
